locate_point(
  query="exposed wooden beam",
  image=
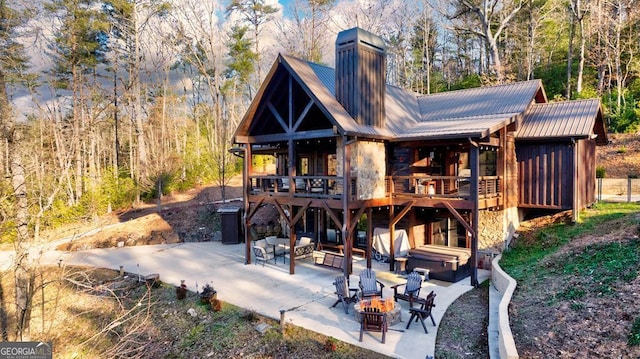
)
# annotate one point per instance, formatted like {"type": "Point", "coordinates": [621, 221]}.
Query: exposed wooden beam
{"type": "Point", "coordinates": [474, 162]}
{"type": "Point", "coordinates": [333, 216]}
{"type": "Point", "coordinates": [357, 216]}
{"type": "Point", "coordinates": [280, 137]}
{"type": "Point", "coordinates": [491, 141]}
{"type": "Point", "coordinates": [275, 113]}
{"type": "Point", "coordinates": [402, 213]}
{"type": "Point", "coordinates": [459, 217]}
{"type": "Point", "coordinates": [302, 115]}
{"type": "Point", "coordinates": [253, 210]}
{"type": "Point", "coordinates": [282, 212]}
{"type": "Point", "coordinates": [296, 201]}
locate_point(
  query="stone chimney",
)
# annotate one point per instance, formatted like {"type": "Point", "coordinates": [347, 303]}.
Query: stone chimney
{"type": "Point", "coordinates": [360, 75]}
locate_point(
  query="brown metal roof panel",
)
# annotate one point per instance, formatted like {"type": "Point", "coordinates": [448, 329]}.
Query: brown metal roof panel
{"type": "Point", "coordinates": [560, 119]}
{"type": "Point", "coordinates": [480, 126]}
{"type": "Point", "coordinates": [401, 109]}
{"type": "Point", "coordinates": [508, 98]}
{"type": "Point", "coordinates": [400, 104]}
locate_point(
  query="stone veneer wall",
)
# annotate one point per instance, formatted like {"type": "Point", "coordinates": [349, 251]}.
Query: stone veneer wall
{"type": "Point", "coordinates": [491, 234]}
{"type": "Point", "coordinates": [368, 164]}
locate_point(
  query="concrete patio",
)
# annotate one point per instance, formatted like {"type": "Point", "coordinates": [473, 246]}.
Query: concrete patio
{"type": "Point", "coordinates": [306, 296]}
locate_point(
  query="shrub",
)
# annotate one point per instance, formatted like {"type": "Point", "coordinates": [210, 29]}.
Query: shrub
{"type": "Point", "coordinates": [600, 172]}
{"type": "Point", "coordinates": [634, 336]}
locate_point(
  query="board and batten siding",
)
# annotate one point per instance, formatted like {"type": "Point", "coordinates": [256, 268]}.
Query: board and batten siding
{"type": "Point", "coordinates": [545, 175]}
{"type": "Point", "coordinates": [586, 173]}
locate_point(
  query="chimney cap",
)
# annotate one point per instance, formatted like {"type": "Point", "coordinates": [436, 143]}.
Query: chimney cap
{"type": "Point", "coordinates": [356, 34]}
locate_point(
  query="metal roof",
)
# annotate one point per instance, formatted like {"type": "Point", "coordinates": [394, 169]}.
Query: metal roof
{"type": "Point", "coordinates": [560, 120]}
{"type": "Point", "coordinates": [408, 115]}
{"type": "Point", "coordinates": [320, 80]}
{"type": "Point", "coordinates": [473, 112]}
{"type": "Point", "coordinates": [474, 126]}
{"type": "Point", "coordinates": [481, 101]}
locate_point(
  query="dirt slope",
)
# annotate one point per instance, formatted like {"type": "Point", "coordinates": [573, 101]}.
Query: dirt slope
{"type": "Point", "coordinates": [621, 157]}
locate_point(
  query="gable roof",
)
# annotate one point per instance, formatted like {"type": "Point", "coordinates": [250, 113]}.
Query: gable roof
{"type": "Point", "coordinates": [475, 112]}
{"type": "Point", "coordinates": [320, 81]}
{"type": "Point", "coordinates": [568, 119]}
{"type": "Point", "coordinates": [480, 101]}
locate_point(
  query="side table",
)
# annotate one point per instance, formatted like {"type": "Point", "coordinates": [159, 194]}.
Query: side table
{"type": "Point", "coordinates": [401, 265]}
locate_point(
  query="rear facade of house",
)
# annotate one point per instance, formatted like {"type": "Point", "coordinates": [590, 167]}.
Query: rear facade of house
{"type": "Point", "coordinates": [344, 157]}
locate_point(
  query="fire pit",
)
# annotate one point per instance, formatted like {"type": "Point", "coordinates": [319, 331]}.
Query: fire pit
{"type": "Point", "coordinates": [388, 306]}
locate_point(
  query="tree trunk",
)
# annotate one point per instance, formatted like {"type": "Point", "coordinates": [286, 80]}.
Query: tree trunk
{"type": "Point", "coordinates": [570, 55]}
{"type": "Point", "coordinates": [23, 269]}
{"type": "Point", "coordinates": [578, 15]}
{"type": "Point", "coordinates": [142, 161]}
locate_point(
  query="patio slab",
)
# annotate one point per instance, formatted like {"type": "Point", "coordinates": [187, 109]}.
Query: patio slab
{"type": "Point", "coordinates": [306, 296]}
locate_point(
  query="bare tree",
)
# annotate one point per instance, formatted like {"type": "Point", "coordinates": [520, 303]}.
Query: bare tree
{"type": "Point", "coordinates": [307, 34]}
{"type": "Point", "coordinates": [129, 20]}
{"type": "Point", "coordinates": [13, 62]}
{"type": "Point", "coordinates": [492, 18]}
{"type": "Point", "coordinates": [202, 43]}
{"type": "Point", "coordinates": [578, 12]}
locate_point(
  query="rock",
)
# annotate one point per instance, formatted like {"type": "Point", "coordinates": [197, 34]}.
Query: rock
{"type": "Point", "coordinates": [262, 327]}
{"type": "Point", "coordinates": [192, 312]}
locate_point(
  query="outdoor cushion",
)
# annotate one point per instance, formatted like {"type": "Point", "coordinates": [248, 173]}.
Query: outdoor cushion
{"type": "Point", "coordinates": [303, 241]}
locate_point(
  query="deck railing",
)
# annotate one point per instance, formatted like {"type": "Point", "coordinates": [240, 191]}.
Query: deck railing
{"type": "Point", "coordinates": [417, 186]}
{"type": "Point", "coordinates": [301, 186]}
{"type": "Point", "coordinates": [442, 186]}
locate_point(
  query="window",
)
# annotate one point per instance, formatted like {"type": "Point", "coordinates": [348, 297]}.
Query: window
{"type": "Point", "coordinates": [304, 166]}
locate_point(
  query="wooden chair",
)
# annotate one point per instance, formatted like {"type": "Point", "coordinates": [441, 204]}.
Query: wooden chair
{"type": "Point", "coordinates": [422, 312]}
{"type": "Point", "coordinates": [411, 288]}
{"type": "Point", "coordinates": [344, 293]}
{"type": "Point", "coordinates": [373, 321]}
{"type": "Point", "coordinates": [369, 285]}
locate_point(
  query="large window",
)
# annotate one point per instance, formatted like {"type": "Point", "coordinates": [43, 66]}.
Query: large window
{"type": "Point", "coordinates": [488, 163]}
{"type": "Point", "coordinates": [445, 232]}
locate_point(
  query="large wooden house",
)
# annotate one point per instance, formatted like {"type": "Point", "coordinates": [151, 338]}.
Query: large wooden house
{"type": "Point", "coordinates": [456, 169]}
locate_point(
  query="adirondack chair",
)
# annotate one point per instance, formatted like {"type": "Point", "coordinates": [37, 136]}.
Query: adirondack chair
{"type": "Point", "coordinates": [369, 285]}
{"type": "Point", "coordinates": [344, 293]}
{"type": "Point", "coordinates": [420, 309]}
{"type": "Point", "coordinates": [373, 321]}
{"type": "Point", "coordinates": [411, 288]}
